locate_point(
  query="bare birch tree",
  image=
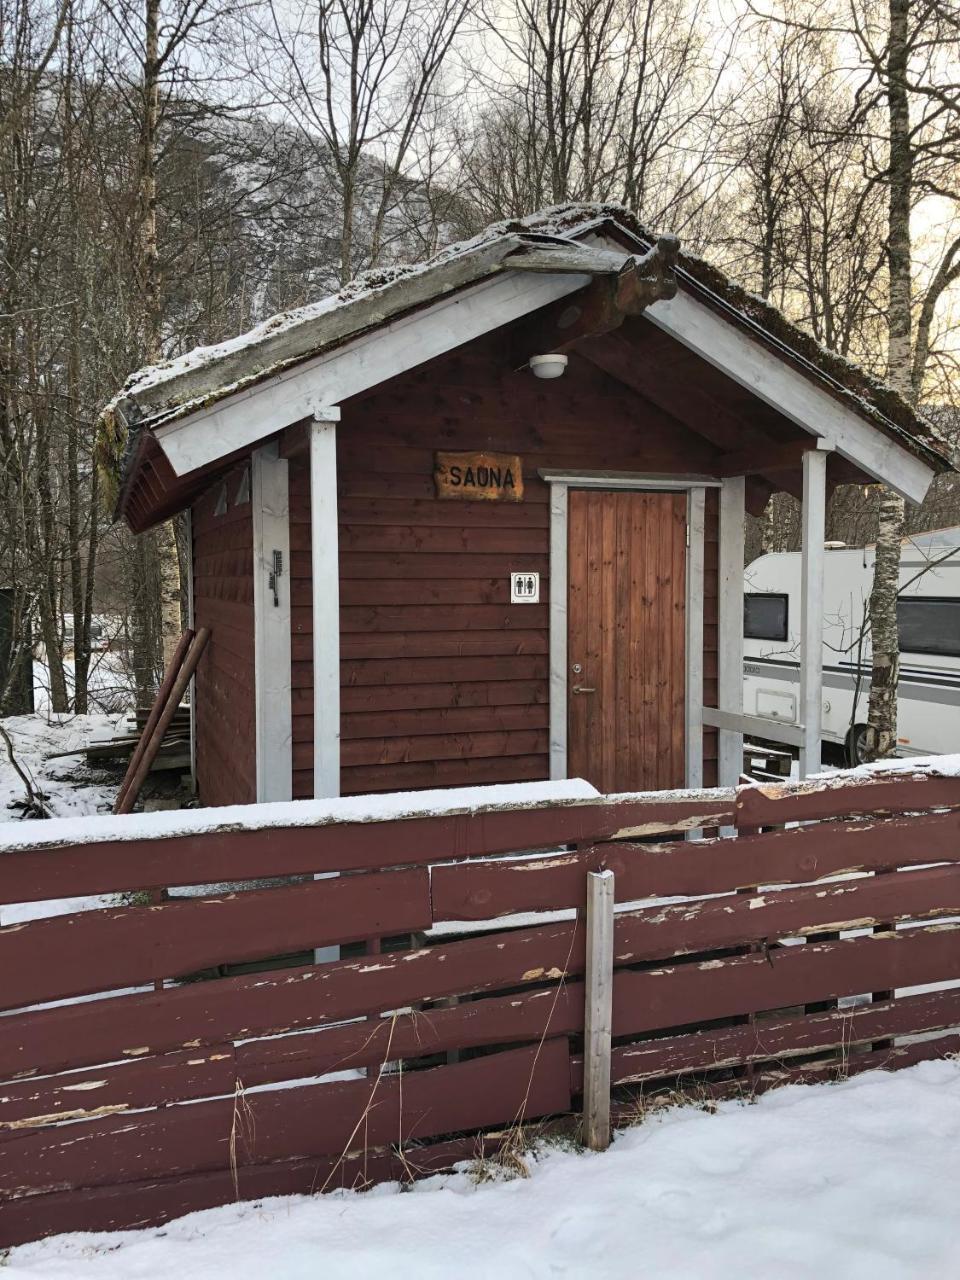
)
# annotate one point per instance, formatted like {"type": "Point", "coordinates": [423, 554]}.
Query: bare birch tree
{"type": "Point", "coordinates": [597, 100]}
{"type": "Point", "coordinates": [357, 79]}
{"type": "Point", "coordinates": [905, 110]}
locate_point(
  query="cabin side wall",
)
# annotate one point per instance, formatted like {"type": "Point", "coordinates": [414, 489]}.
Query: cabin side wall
{"type": "Point", "coordinates": [223, 601]}
{"type": "Point", "coordinates": [443, 681]}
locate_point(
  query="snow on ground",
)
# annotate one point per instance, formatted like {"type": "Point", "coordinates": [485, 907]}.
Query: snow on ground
{"type": "Point", "coordinates": [855, 1180]}
{"type": "Point", "coordinates": [71, 790]}
{"type": "Point", "coordinates": [108, 681]}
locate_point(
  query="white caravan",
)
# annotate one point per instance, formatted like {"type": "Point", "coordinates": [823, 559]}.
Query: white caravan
{"type": "Point", "coordinates": [929, 617]}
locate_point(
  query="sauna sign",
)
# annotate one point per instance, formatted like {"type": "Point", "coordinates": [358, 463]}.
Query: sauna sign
{"type": "Point", "coordinates": [483, 477]}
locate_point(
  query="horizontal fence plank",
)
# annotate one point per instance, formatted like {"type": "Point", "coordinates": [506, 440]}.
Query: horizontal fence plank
{"type": "Point", "coordinates": [845, 797]}
{"type": "Point", "coordinates": [830, 1069]}
{"type": "Point", "coordinates": [774, 1038]}
{"type": "Point", "coordinates": [890, 1058]}
{"type": "Point", "coordinates": [204, 1073]}
{"type": "Point", "coordinates": [212, 857]}
{"type": "Point", "coordinates": [151, 1203]}
{"type": "Point", "coordinates": [54, 1039]}
{"type": "Point", "coordinates": [685, 994]}
{"type": "Point", "coordinates": [709, 924]}
{"type": "Point", "coordinates": [485, 890]}
{"type": "Point", "coordinates": [88, 951]}
{"type": "Point", "coordinates": [317, 1119]}
{"type": "Point", "coordinates": [271, 1003]}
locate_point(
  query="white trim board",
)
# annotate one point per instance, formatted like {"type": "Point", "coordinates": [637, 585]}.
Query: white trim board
{"type": "Point", "coordinates": [191, 616]}
{"type": "Point", "coordinates": [307, 389]}
{"type": "Point", "coordinates": [693, 699]}
{"type": "Point", "coordinates": [558, 630]}
{"type": "Point", "coordinates": [797, 397]}
{"type": "Point", "coordinates": [627, 480]}
{"type": "Point", "coordinates": [730, 628]}
{"type": "Point", "coordinates": [812, 555]}
{"type": "Point", "coordinates": [790, 735]}
{"type": "Point", "coordinates": [560, 484]}
{"type": "Point", "coordinates": [270, 514]}
{"type": "Point", "coordinates": [325, 580]}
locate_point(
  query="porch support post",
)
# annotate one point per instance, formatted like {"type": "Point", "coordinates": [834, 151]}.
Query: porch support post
{"type": "Point", "coordinates": [730, 627]}
{"type": "Point", "coordinates": [270, 515]}
{"type": "Point", "coordinates": [811, 605]}
{"type": "Point", "coordinates": [558, 630]}
{"type": "Point", "coordinates": [191, 614]}
{"type": "Point", "coordinates": [325, 572]}
{"type": "Point", "coordinates": [693, 724]}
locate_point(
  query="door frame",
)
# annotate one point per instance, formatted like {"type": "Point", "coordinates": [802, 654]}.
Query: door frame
{"type": "Point", "coordinates": [694, 486]}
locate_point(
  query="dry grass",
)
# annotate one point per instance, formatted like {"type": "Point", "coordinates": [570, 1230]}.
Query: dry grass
{"type": "Point", "coordinates": [242, 1126]}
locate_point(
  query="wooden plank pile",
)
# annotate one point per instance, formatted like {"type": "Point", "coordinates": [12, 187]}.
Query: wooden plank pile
{"type": "Point", "coordinates": [174, 751]}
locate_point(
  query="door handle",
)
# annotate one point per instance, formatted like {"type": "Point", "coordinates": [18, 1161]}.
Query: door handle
{"type": "Point", "coordinates": [582, 688]}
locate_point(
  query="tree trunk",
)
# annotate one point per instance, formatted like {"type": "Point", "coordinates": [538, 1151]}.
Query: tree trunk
{"type": "Point", "coordinates": [163, 549]}
{"type": "Point", "coordinates": [886, 575]}
{"type": "Point", "coordinates": [168, 566]}
{"type": "Point", "coordinates": [78, 596]}
{"type": "Point", "coordinates": [143, 593]}
{"type": "Point", "coordinates": [346, 224]}
{"type": "Point", "coordinates": [883, 627]}
{"type": "Point", "coordinates": [149, 253]}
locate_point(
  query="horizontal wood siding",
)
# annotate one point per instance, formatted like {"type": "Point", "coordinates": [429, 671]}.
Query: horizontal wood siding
{"type": "Point", "coordinates": [444, 682]}
{"type": "Point", "coordinates": [223, 601]}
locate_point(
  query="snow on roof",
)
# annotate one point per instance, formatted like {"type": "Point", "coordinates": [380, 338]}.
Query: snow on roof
{"type": "Point", "coordinates": [369, 299]}
{"type": "Point", "coordinates": [205, 375]}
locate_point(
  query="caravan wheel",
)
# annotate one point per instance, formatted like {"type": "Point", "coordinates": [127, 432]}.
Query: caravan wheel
{"type": "Point", "coordinates": [855, 746]}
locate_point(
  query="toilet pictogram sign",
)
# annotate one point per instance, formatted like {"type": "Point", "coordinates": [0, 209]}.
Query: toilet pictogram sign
{"type": "Point", "coordinates": [524, 588]}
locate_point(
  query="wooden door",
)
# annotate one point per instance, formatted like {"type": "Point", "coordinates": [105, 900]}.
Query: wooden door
{"type": "Point", "coordinates": [626, 651]}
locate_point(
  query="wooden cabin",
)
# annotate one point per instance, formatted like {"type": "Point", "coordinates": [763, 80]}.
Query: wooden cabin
{"type": "Point", "coordinates": [429, 557]}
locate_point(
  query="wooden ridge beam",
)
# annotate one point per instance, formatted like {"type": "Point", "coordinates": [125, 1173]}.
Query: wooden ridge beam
{"type": "Point", "coordinates": [602, 305]}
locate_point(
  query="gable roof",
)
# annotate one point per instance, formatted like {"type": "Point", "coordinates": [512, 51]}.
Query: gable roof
{"type": "Point", "coordinates": [575, 240]}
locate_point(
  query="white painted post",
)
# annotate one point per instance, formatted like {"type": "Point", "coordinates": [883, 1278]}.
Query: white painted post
{"type": "Point", "coordinates": [270, 514]}
{"type": "Point", "coordinates": [811, 605]}
{"type": "Point", "coordinates": [325, 582]}
{"type": "Point", "coordinates": [730, 627]}
{"type": "Point", "coordinates": [598, 1010]}
{"type": "Point", "coordinates": [693, 727]}
{"type": "Point", "coordinates": [191, 614]}
{"type": "Point", "coordinates": [558, 631]}
{"type": "Point", "coordinates": [325, 574]}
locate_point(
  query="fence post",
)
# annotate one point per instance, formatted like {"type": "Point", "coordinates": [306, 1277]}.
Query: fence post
{"type": "Point", "coordinates": [598, 1012]}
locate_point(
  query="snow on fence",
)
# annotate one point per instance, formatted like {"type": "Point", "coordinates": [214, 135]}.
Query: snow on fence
{"type": "Point", "coordinates": [390, 1062]}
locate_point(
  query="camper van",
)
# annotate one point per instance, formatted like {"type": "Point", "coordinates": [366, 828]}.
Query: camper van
{"type": "Point", "coordinates": [928, 611]}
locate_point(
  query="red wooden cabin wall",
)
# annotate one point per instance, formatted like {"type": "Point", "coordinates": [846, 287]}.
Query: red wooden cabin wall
{"type": "Point", "coordinates": [223, 601]}
{"type": "Point", "coordinates": [443, 681]}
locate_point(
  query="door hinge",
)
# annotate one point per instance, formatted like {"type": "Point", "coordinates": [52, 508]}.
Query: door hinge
{"type": "Point", "coordinates": [688, 535]}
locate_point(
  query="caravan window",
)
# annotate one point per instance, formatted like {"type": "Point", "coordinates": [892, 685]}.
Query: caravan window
{"type": "Point", "coordinates": [765, 616]}
{"type": "Point", "coordinates": [929, 624]}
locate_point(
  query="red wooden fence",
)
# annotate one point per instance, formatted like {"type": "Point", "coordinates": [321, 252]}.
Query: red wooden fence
{"type": "Point", "coordinates": [92, 1131]}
